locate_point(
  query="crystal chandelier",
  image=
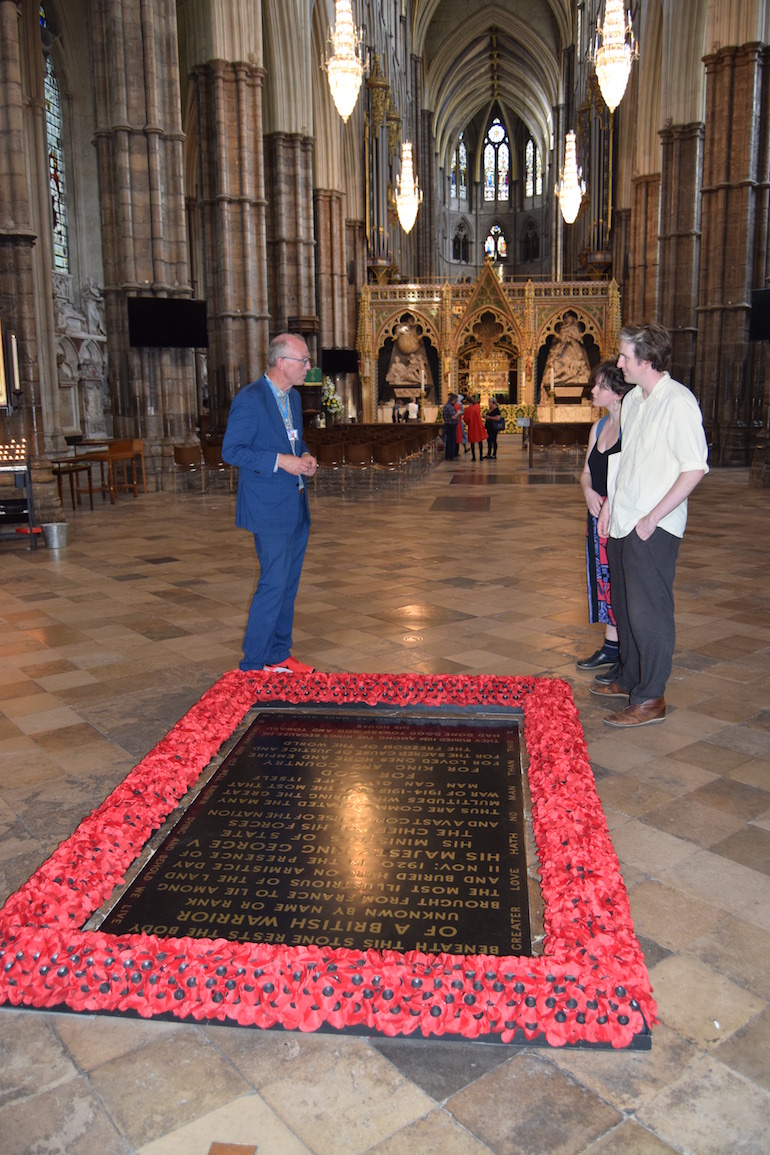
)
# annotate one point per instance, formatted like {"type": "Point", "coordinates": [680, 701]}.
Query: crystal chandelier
{"type": "Point", "coordinates": [345, 59]}
{"type": "Point", "coordinates": [571, 188]}
{"type": "Point", "coordinates": [615, 51]}
{"type": "Point", "coordinates": [408, 195]}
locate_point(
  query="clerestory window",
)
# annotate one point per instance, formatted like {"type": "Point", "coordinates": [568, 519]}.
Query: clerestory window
{"type": "Point", "coordinates": [533, 170]}
{"type": "Point", "coordinates": [459, 177]}
{"type": "Point", "coordinates": [497, 163]}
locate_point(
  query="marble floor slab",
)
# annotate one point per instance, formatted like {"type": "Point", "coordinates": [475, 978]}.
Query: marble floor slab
{"type": "Point", "coordinates": [106, 643]}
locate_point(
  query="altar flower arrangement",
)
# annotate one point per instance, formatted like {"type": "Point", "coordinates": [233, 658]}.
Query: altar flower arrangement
{"type": "Point", "coordinates": [331, 400]}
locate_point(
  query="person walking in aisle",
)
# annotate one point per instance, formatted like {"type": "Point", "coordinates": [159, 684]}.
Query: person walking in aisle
{"type": "Point", "coordinates": [608, 387]}
{"type": "Point", "coordinates": [450, 418]}
{"type": "Point", "coordinates": [263, 439]}
{"type": "Point", "coordinates": [462, 432]}
{"type": "Point", "coordinates": [477, 434]}
{"type": "Point", "coordinates": [493, 423]}
{"type": "Point", "coordinates": [663, 456]}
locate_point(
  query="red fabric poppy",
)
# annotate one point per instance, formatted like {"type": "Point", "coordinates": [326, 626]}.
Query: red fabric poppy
{"type": "Point", "coordinates": [589, 986]}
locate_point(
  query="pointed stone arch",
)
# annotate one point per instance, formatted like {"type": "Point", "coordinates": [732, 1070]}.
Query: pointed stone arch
{"type": "Point", "coordinates": [402, 326]}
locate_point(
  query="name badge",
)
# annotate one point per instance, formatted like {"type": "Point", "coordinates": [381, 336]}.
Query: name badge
{"type": "Point", "coordinates": [293, 435]}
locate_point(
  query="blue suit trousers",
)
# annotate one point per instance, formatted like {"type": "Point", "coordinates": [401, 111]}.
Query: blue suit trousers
{"type": "Point", "coordinates": [268, 637]}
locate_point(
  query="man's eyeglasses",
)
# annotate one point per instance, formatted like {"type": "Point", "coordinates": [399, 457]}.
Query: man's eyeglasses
{"type": "Point", "coordinates": [302, 360]}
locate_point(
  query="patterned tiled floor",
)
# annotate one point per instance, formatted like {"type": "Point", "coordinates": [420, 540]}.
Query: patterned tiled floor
{"type": "Point", "coordinates": [106, 643]}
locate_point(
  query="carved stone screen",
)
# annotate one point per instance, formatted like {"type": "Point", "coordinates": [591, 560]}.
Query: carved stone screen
{"type": "Point", "coordinates": [361, 830]}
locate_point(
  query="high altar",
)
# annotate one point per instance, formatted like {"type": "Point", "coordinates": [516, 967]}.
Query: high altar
{"type": "Point", "coordinates": [528, 343]}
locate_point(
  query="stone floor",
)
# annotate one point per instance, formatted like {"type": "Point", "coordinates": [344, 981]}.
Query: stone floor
{"type": "Point", "coordinates": [476, 568]}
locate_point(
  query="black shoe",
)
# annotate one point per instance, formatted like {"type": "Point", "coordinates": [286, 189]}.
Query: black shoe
{"type": "Point", "coordinates": [600, 658]}
{"type": "Point", "coordinates": [609, 676]}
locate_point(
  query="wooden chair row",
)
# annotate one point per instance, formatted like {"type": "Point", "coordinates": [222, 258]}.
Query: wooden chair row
{"type": "Point", "coordinates": [203, 459]}
{"type": "Point", "coordinates": [351, 465]}
{"type": "Point", "coordinates": [359, 454]}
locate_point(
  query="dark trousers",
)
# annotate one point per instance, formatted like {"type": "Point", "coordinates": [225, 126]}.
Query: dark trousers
{"type": "Point", "coordinates": [492, 442]}
{"type": "Point", "coordinates": [642, 576]}
{"type": "Point", "coordinates": [271, 616]}
{"type": "Point", "coordinates": [450, 442]}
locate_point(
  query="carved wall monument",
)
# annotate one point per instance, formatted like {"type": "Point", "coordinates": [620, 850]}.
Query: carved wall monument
{"type": "Point", "coordinates": [489, 327]}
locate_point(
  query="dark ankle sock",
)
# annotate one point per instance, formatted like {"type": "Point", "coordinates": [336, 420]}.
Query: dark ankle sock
{"type": "Point", "coordinates": [610, 648]}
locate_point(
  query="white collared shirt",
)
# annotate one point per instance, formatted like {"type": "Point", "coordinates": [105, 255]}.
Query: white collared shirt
{"type": "Point", "coordinates": [661, 436]}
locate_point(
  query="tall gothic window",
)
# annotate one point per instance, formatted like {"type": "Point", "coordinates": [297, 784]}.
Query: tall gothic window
{"type": "Point", "coordinates": [459, 187]}
{"type": "Point", "coordinates": [496, 246]}
{"type": "Point", "coordinates": [533, 168]}
{"type": "Point", "coordinates": [497, 163]}
{"type": "Point", "coordinates": [461, 245]}
{"type": "Point", "coordinates": [530, 243]}
{"type": "Point", "coordinates": [56, 181]}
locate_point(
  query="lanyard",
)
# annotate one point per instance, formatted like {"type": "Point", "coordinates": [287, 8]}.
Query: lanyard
{"type": "Point", "coordinates": [284, 408]}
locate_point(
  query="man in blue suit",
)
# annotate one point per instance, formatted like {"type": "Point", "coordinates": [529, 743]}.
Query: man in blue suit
{"type": "Point", "coordinates": [264, 440]}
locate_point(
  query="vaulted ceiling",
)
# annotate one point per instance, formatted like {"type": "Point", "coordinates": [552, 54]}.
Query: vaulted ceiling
{"type": "Point", "coordinates": [477, 51]}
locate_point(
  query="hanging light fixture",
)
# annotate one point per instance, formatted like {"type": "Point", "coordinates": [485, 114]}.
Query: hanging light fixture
{"type": "Point", "coordinates": [408, 195]}
{"type": "Point", "coordinates": [345, 59]}
{"type": "Point", "coordinates": [571, 188]}
{"type": "Point", "coordinates": [615, 51]}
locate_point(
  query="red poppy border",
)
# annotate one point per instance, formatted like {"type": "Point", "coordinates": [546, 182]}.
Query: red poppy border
{"type": "Point", "coordinates": [590, 986]}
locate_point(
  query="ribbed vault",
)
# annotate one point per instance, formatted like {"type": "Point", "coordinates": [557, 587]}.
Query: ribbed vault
{"type": "Point", "coordinates": [475, 52]}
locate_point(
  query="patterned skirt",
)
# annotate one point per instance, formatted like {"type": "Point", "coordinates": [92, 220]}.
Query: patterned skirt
{"type": "Point", "coordinates": [597, 576]}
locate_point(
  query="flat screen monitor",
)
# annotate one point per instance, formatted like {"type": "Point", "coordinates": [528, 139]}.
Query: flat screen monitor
{"type": "Point", "coordinates": [334, 361]}
{"type": "Point", "coordinates": [759, 325]}
{"type": "Point", "coordinates": [167, 323]}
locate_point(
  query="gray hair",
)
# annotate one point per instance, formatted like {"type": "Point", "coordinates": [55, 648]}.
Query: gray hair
{"type": "Point", "coordinates": [281, 346]}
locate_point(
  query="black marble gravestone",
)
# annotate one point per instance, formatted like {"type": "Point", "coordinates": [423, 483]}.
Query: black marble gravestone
{"type": "Point", "coordinates": [349, 829]}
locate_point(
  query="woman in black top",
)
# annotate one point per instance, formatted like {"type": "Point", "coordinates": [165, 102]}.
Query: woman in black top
{"type": "Point", "coordinates": [492, 425]}
{"type": "Point", "coordinates": [608, 390]}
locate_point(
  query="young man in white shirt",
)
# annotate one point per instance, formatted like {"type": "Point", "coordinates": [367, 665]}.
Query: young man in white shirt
{"type": "Point", "coordinates": [663, 457]}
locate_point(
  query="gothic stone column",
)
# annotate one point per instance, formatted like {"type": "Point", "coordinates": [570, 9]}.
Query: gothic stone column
{"type": "Point", "coordinates": [736, 129]}
{"type": "Point", "coordinates": [679, 250]}
{"type": "Point", "coordinates": [332, 269]}
{"type": "Point", "coordinates": [642, 287]}
{"type": "Point", "coordinates": [292, 243]}
{"type": "Point", "coordinates": [232, 205]}
{"type": "Point", "coordinates": [139, 149]}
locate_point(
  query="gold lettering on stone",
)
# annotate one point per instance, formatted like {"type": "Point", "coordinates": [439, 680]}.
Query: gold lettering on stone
{"type": "Point", "coordinates": [349, 832]}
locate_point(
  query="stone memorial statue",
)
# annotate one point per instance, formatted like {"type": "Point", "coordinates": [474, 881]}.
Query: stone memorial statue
{"type": "Point", "coordinates": [567, 361]}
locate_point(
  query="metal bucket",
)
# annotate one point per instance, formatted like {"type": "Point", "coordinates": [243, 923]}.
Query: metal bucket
{"type": "Point", "coordinates": [55, 534]}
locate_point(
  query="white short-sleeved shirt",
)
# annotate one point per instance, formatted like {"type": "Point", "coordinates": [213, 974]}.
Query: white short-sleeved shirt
{"type": "Point", "coordinates": [661, 436]}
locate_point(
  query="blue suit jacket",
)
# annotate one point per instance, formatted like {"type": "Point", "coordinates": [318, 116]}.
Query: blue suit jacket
{"type": "Point", "coordinates": [268, 501]}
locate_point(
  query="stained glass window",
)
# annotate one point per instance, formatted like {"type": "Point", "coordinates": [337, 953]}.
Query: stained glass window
{"type": "Point", "coordinates": [496, 246]}
{"type": "Point", "coordinates": [497, 163]}
{"type": "Point", "coordinates": [462, 164]}
{"type": "Point", "coordinates": [503, 169]}
{"type": "Point", "coordinates": [489, 172]}
{"type": "Point", "coordinates": [56, 181]}
{"type": "Point", "coordinates": [533, 169]}
{"type": "Point", "coordinates": [459, 177]}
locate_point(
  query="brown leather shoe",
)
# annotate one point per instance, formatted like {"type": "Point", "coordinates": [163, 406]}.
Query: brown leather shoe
{"type": "Point", "coordinates": [639, 714]}
{"type": "Point", "coordinates": [614, 690]}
